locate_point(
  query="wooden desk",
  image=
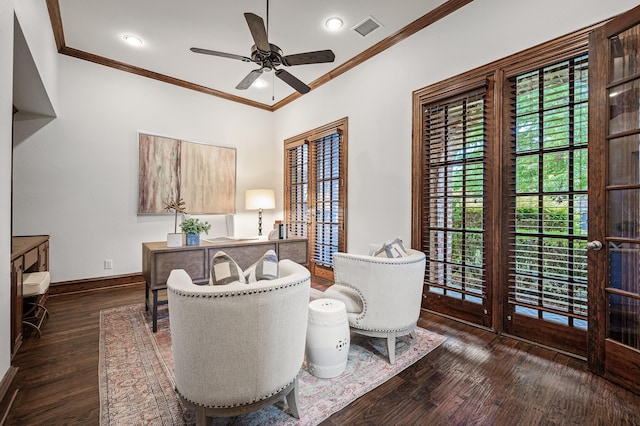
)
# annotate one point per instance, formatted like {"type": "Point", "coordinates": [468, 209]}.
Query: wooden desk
{"type": "Point", "coordinates": [158, 261]}
{"type": "Point", "coordinates": [28, 254]}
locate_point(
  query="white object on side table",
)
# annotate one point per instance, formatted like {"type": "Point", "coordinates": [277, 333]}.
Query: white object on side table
{"type": "Point", "coordinates": [328, 338]}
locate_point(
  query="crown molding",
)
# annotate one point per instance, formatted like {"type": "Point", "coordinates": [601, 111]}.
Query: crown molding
{"type": "Point", "coordinates": [419, 24]}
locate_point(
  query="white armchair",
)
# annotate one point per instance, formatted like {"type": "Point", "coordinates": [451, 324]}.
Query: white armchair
{"type": "Point", "coordinates": [238, 347]}
{"type": "Point", "coordinates": [383, 296]}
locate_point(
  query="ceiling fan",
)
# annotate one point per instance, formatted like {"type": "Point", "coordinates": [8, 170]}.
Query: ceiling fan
{"type": "Point", "coordinates": [269, 56]}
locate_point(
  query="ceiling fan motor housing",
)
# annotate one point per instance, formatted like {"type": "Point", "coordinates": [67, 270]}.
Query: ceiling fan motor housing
{"type": "Point", "coordinates": [268, 60]}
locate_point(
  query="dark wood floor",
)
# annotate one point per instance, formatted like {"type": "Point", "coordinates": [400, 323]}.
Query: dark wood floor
{"type": "Point", "coordinates": [473, 378]}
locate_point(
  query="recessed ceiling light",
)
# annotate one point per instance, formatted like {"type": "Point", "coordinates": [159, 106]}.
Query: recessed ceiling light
{"type": "Point", "coordinates": [132, 40]}
{"type": "Point", "coordinates": [333, 24]}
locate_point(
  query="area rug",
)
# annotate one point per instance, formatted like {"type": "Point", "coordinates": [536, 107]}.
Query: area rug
{"type": "Point", "coordinates": [137, 385]}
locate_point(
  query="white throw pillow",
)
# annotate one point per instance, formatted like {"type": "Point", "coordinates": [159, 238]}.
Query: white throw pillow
{"type": "Point", "coordinates": [392, 249]}
{"type": "Point", "coordinates": [225, 270]}
{"type": "Point", "coordinates": [266, 268]}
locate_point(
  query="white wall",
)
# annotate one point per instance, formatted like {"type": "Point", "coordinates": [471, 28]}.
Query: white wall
{"type": "Point", "coordinates": [6, 88]}
{"type": "Point", "coordinates": [377, 98]}
{"type": "Point", "coordinates": [36, 27]}
{"type": "Point", "coordinates": [76, 179]}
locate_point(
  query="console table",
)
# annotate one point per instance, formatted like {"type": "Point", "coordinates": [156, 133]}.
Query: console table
{"type": "Point", "coordinates": [158, 261]}
{"type": "Point", "coordinates": [28, 254]}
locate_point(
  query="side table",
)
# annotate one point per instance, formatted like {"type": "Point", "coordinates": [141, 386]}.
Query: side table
{"type": "Point", "coordinates": [328, 338]}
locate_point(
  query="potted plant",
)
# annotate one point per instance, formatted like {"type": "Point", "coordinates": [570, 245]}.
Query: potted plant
{"type": "Point", "coordinates": [193, 228]}
{"type": "Point", "coordinates": [176, 206]}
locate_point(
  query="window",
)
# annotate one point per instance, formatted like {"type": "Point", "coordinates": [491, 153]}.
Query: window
{"type": "Point", "coordinates": [297, 168]}
{"type": "Point", "coordinates": [454, 226]}
{"type": "Point", "coordinates": [315, 192]}
{"type": "Point", "coordinates": [328, 182]}
{"type": "Point", "coordinates": [548, 229]}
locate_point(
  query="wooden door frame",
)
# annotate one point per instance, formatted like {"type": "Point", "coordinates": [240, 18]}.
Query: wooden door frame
{"type": "Point", "coordinates": [479, 315]}
{"type": "Point", "coordinates": [598, 159]}
{"type": "Point", "coordinates": [341, 126]}
{"type": "Point", "coordinates": [624, 370]}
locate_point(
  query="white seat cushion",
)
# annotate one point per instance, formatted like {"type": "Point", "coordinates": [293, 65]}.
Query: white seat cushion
{"type": "Point", "coordinates": [35, 283]}
{"type": "Point", "coordinates": [346, 295]}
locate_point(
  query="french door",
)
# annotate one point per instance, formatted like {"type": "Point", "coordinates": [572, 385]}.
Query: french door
{"type": "Point", "coordinates": [453, 157]}
{"type": "Point", "coordinates": [315, 193]}
{"type": "Point", "coordinates": [545, 297]}
{"type": "Point", "coordinates": [501, 196]}
{"type": "Point", "coordinates": [614, 212]}
{"type": "Point", "coordinates": [555, 258]}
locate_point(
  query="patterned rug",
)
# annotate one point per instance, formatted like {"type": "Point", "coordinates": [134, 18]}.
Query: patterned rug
{"type": "Point", "coordinates": [137, 386]}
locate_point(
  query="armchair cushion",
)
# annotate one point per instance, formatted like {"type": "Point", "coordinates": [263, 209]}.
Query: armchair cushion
{"type": "Point", "coordinates": [266, 268]}
{"type": "Point", "coordinates": [225, 270]}
{"type": "Point", "coordinates": [392, 249]}
{"type": "Point", "coordinates": [347, 295]}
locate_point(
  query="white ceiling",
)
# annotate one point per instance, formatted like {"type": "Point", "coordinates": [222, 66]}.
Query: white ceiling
{"type": "Point", "coordinates": [169, 28]}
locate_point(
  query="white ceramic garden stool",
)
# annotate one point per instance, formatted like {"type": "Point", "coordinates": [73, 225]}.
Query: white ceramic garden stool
{"type": "Point", "coordinates": [327, 338]}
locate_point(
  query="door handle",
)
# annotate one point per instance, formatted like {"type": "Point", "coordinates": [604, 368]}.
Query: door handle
{"type": "Point", "coordinates": [594, 245]}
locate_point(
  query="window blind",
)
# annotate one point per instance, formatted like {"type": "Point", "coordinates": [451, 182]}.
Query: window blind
{"type": "Point", "coordinates": [328, 211]}
{"type": "Point", "coordinates": [453, 191]}
{"type": "Point", "coordinates": [548, 192]}
{"type": "Point", "coordinates": [315, 192]}
{"type": "Point", "coordinates": [298, 187]}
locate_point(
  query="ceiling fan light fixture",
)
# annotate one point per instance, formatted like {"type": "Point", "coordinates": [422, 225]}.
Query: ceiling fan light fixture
{"type": "Point", "coordinates": [260, 83]}
{"type": "Point", "coordinates": [333, 24]}
{"type": "Point", "coordinates": [132, 40]}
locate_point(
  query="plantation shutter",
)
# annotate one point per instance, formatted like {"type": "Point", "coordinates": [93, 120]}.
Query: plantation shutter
{"type": "Point", "coordinates": [327, 198]}
{"type": "Point", "coordinates": [453, 222]}
{"type": "Point", "coordinates": [548, 194]}
{"type": "Point", "coordinates": [315, 193]}
{"type": "Point", "coordinates": [297, 184]}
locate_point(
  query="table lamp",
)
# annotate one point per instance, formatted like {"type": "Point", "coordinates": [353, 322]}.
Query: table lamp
{"type": "Point", "coordinates": [259, 199]}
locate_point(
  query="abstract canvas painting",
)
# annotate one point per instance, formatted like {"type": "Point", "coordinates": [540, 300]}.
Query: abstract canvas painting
{"type": "Point", "coordinates": [204, 176]}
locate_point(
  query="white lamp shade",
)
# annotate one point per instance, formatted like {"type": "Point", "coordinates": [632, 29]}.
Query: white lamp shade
{"type": "Point", "coordinates": [260, 199]}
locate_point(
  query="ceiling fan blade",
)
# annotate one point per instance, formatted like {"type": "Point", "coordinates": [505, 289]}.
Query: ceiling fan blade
{"type": "Point", "coordinates": [249, 79]}
{"type": "Point", "coordinates": [317, 57]}
{"type": "Point", "coordinates": [292, 81]}
{"type": "Point", "coordinates": [258, 32]}
{"type": "Point", "coordinates": [222, 54]}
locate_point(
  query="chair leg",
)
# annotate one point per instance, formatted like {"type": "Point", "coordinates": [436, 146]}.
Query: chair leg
{"type": "Point", "coordinates": [292, 400]}
{"type": "Point", "coordinates": [32, 316]}
{"type": "Point", "coordinates": [35, 327]}
{"type": "Point", "coordinates": [391, 347]}
{"type": "Point", "coordinates": [44, 310]}
{"type": "Point", "coordinates": [201, 417]}
{"type": "Point", "coordinates": [413, 334]}
{"type": "Point", "coordinates": [154, 313]}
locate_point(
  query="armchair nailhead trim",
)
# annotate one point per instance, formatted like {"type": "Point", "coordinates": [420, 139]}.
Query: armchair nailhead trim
{"type": "Point", "coordinates": [382, 260]}
{"type": "Point", "coordinates": [387, 330]}
{"type": "Point", "coordinates": [238, 292]}
{"type": "Point", "coordinates": [239, 404]}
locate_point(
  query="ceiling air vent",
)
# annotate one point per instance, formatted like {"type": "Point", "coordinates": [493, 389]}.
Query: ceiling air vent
{"type": "Point", "coordinates": [367, 26]}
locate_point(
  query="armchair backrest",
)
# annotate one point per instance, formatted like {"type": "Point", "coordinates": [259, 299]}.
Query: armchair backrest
{"type": "Point", "coordinates": [390, 289]}
{"type": "Point", "coordinates": [238, 343]}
